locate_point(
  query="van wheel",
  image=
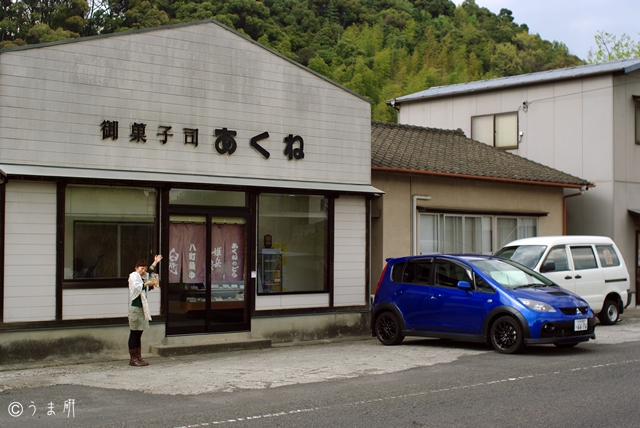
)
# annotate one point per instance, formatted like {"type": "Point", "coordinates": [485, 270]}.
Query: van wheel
{"type": "Point", "coordinates": [388, 329]}
{"type": "Point", "coordinates": [506, 335]}
{"type": "Point", "coordinates": [610, 314]}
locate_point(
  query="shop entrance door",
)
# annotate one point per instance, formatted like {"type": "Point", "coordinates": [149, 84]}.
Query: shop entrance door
{"type": "Point", "coordinates": [207, 273]}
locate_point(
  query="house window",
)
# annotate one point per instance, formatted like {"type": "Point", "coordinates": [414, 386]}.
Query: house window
{"type": "Point", "coordinates": [293, 235]}
{"type": "Point", "coordinates": [450, 233]}
{"type": "Point", "coordinates": [498, 130]}
{"type": "Point", "coordinates": [476, 234]}
{"type": "Point", "coordinates": [512, 228]}
{"type": "Point", "coordinates": [107, 230]}
{"type": "Point", "coordinates": [636, 99]}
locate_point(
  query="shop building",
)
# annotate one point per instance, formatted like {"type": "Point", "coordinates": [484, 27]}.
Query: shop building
{"type": "Point", "coordinates": [249, 173]}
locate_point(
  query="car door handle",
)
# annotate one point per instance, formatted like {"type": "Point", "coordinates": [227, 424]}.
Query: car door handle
{"type": "Point", "coordinates": [567, 277]}
{"type": "Point", "coordinates": [397, 293]}
{"type": "Point", "coordinates": [436, 296]}
{"type": "Point", "coordinates": [578, 276]}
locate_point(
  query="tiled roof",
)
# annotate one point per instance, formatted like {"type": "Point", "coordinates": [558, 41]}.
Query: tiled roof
{"type": "Point", "coordinates": [623, 66]}
{"type": "Point", "coordinates": [446, 152]}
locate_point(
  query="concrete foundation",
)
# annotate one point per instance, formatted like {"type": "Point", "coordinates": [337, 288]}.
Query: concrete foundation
{"type": "Point", "coordinates": [111, 341]}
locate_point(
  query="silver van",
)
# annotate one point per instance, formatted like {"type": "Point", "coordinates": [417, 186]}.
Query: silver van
{"type": "Point", "coordinates": [590, 266]}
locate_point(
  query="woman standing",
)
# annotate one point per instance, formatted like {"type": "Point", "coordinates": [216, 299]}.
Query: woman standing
{"type": "Point", "coordinates": [139, 315]}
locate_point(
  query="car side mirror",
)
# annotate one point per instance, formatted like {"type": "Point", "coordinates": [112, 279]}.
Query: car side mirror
{"type": "Point", "coordinates": [548, 267]}
{"type": "Point", "coordinates": [464, 285]}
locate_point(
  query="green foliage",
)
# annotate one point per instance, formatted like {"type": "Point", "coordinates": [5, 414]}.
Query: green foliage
{"type": "Point", "coordinates": [610, 48]}
{"type": "Point", "coordinates": [380, 49]}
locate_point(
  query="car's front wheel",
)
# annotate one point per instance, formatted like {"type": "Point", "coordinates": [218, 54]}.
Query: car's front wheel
{"type": "Point", "coordinates": [387, 329]}
{"type": "Point", "coordinates": [610, 314]}
{"type": "Point", "coordinates": [506, 335]}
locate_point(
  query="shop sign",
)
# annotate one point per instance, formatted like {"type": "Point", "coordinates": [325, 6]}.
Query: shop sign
{"type": "Point", "coordinates": [225, 142]}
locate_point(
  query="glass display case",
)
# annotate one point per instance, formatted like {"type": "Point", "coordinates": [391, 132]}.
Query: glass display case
{"type": "Point", "coordinates": [270, 280]}
{"type": "Point", "coordinates": [226, 295]}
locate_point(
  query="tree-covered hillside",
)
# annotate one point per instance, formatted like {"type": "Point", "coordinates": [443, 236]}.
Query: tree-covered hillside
{"type": "Point", "coordinates": [378, 48]}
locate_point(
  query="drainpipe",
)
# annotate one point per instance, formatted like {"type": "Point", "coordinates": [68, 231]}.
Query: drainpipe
{"type": "Point", "coordinates": [564, 208]}
{"type": "Point", "coordinates": [414, 220]}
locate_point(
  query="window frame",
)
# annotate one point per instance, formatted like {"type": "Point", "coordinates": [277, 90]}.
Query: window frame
{"type": "Point", "coordinates": [495, 117]}
{"type": "Point", "coordinates": [576, 255]}
{"type": "Point", "coordinates": [636, 127]}
{"type": "Point", "coordinates": [329, 205]}
{"type": "Point", "coordinates": [439, 232]}
{"type": "Point", "coordinates": [98, 283]}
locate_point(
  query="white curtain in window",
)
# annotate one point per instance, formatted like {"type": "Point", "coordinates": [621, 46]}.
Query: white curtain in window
{"type": "Point", "coordinates": [507, 230]}
{"type": "Point", "coordinates": [473, 234]}
{"type": "Point", "coordinates": [506, 130]}
{"type": "Point", "coordinates": [428, 234]}
{"type": "Point", "coordinates": [527, 227]}
{"type": "Point", "coordinates": [482, 129]}
{"type": "Point", "coordinates": [453, 234]}
{"type": "Point", "coordinates": [487, 235]}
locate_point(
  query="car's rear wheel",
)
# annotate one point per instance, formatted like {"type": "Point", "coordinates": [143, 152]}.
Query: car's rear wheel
{"type": "Point", "coordinates": [387, 329]}
{"type": "Point", "coordinates": [610, 313]}
{"type": "Point", "coordinates": [506, 335]}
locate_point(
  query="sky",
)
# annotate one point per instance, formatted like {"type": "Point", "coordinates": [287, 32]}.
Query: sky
{"type": "Point", "coordinates": [573, 22]}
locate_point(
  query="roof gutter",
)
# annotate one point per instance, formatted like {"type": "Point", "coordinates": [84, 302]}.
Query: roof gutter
{"type": "Point", "coordinates": [480, 177]}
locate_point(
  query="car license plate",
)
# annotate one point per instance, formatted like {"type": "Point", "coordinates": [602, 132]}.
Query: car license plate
{"type": "Point", "coordinates": [580, 325]}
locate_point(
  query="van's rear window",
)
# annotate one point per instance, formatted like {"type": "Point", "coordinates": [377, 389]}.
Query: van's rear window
{"type": "Point", "coordinates": [608, 256]}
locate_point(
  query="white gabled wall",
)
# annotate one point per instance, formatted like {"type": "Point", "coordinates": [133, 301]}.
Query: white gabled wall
{"type": "Point", "coordinates": [350, 251]}
{"type": "Point", "coordinates": [30, 252]}
{"type": "Point", "coordinates": [199, 76]}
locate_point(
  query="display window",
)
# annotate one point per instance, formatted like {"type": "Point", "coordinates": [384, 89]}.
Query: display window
{"type": "Point", "coordinates": [106, 231]}
{"type": "Point", "coordinates": [293, 243]}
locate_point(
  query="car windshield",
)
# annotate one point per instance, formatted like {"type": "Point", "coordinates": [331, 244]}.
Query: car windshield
{"type": "Point", "coordinates": [510, 275]}
{"type": "Point", "coordinates": [528, 255]}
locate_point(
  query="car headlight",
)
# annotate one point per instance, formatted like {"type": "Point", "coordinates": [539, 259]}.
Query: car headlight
{"type": "Point", "coordinates": [537, 305]}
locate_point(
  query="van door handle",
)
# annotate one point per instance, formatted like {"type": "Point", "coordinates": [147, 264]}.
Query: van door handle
{"type": "Point", "coordinates": [567, 277]}
{"type": "Point", "coordinates": [436, 296]}
{"type": "Point", "coordinates": [578, 277]}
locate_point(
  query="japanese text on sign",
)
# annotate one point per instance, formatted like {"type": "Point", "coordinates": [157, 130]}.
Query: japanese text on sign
{"type": "Point", "coordinates": [225, 142]}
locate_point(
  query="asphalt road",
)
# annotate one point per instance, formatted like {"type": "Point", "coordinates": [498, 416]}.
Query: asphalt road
{"type": "Point", "coordinates": [423, 382]}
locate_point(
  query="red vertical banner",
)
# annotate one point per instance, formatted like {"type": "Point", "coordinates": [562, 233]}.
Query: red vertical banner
{"type": "Point", "coordinates": [187, 253]}
{"type": "Point", "coordinates": [234, 252]}
{"type": "Point", "coordinates": [175, 252]}
{"type": "Point", "coordinates": [227, 252]}
{"type": "Point", "coordinates": [217, 252]}
{"type": "Point", "coordinates": [193, 259]}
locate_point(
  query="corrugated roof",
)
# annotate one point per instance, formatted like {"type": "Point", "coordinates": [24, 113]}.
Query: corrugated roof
{"type": "Point", "coordinates": [409, 148]}
{"type": "Point", "coordinates": [623, 66]}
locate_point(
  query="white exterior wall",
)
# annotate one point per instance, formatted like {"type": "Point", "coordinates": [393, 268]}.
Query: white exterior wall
{"type": "Point", "coordinates": [30, 252]}
{"type": "Point", "coordinates": [103, 303]}
{"type": "Point", "coordinates": [350, 259]}
{"type": "Point", "coordinates": [54, 99]}
{"type": "Point", "coordinates": [626, 171]}
{"type": "Point", "coordinates": [567, 126]}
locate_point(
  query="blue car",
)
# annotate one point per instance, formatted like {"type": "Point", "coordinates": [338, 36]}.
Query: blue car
{"type": "Point", "coordinates": [479, 299]}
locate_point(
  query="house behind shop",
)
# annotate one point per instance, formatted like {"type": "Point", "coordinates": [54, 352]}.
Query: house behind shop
{"type": "Point", "coordinates": [446, 193]}
{"type": "Point", "coordinates": [582, 120]}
